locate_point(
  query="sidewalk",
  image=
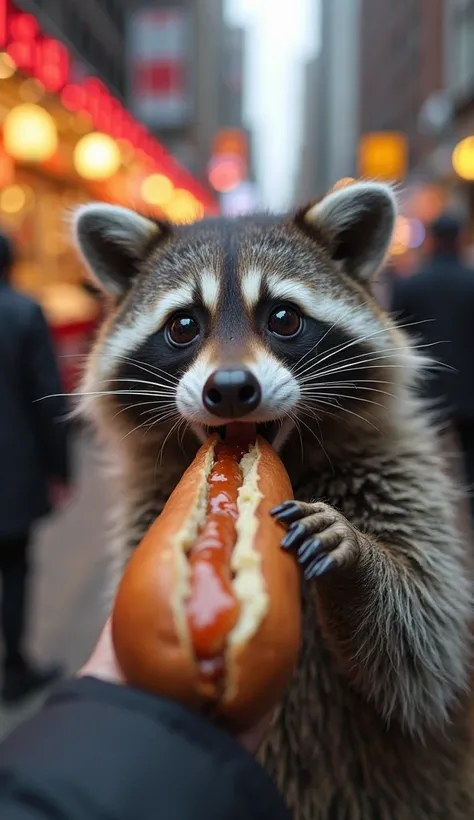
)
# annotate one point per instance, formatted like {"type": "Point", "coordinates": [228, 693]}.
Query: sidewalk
{"type": "Point", "coordinates": [68, 578]}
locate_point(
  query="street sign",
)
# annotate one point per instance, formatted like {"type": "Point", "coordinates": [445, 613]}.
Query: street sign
{"type": "Point", "coordinates": [158, 54]}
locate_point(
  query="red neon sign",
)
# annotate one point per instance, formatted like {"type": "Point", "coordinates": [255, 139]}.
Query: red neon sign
{"type": "Point", "coordinates": [52, 64]}
{"type": "Point", "coordinates": [3, 23]}
{"type": "Point", "coordinates": [48, 60]}
{"type": "Point", "coordinates": [23, 27]}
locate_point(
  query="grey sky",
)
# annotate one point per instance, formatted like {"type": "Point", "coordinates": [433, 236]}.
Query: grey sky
{"type": "Point", "coordinates": [282, 35]}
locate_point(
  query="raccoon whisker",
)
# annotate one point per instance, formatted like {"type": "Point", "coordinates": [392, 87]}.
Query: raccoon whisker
{"type": "Point", "coordinates": [329, 395]}
{"type": "Point", "coordinates": [344, 346]}
{"type": "Point", "coordinates": [177, 424]}
{"type": "Point", "coordinates": [298, 422]}
{"type": "Point", "coordinates": [374, 356]}
{"type": "Point", "coordinates": [144, 404]}
{"type": "Point", "coordinates": [310, 372]}
{"type": "Point", "coordinates": [362, 368]}
{"type": "Point", "coordinates": [181, 433]}
{"type": "Point", "coordinates": [160, 397]}
{"type": "Point", "coordinates": [351, 369]}
{"type": "Point", "coordinates": [356, 398]}
{"type": "Point", "coordinates": [360, 340]}
{"type": "Point", "coordinates": [388, 351]}
{"type": "Point", "coordinates": [356, 384]}
{"type": "Point", "coordinates": [350, 310]}
{"type": "Point", "coordinates": [75, 394]}
{"type": "Point", "coordinates": [391, 352]}
{"type": "Point", "coordinates": [151, 424]}
{"type": "Point", "coordinates": [314, 389]}
{"type": "Point", "coordinates": [167, 406]}
{"type": "Point", "coordinates": [353, 309]}
{"type": "Point", "coordinates": [310, 410]}
{"type": "Point", "coordinates": [152, 370]}
{"type": "Point", "coordinates": [163, 385]}
{"type": "Point", "coordinates": [147, 423]}
{"type": "Point", "coordinates": [319, 438]}
{"type": "Point", "coordinates": [295, 421]}
{"type": "Point", "coordinates": [355, 363]}
{"type": "Point", "coordinates": [340, 408]}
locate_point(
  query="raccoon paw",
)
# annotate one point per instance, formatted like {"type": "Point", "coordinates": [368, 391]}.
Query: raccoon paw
{"type": "Point", "coordinates": [320, 535]}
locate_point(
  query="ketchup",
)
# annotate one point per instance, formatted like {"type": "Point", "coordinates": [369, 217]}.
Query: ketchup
{"type": "Point", "coordinates": [212, 608]}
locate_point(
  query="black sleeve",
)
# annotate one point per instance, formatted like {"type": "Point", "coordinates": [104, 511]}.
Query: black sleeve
{"type": "Point", "coordinates": [102, 752]}
{"type": "Point", "coordinates": [42, 379]}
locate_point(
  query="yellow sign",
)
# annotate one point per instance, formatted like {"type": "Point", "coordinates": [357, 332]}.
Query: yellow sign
{"type": "Point", "coordinates": [383, 155]}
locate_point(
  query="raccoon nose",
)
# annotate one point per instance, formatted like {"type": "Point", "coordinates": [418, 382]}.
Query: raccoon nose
{"type": "Point", "coordinates": [231, 393]}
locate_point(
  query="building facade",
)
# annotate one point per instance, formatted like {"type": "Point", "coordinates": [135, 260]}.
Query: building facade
{"type": "Point", "coordinates": [401, 66]}
{"type": "Point", "coordinates": [307, 183]}
{"type": "Point", "coordinates": [338, 82]}
{"type": "Point", "coordinates": [203, 69]}
{"type": "Point", "coordinates": [94, 29]}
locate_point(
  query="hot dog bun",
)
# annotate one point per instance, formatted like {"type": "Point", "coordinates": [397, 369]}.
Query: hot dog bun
{"type": "Point", "coordinates": [149, 623]}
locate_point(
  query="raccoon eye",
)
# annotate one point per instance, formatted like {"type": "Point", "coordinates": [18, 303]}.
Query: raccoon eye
{"type": "Point", "coordinates": [284, 321]}
{"type": "Point", "coordinates": [182, 330]}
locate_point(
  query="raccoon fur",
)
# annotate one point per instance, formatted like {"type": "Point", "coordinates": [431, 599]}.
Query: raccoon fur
{"type": "Point", "coordinates": [270, 321]}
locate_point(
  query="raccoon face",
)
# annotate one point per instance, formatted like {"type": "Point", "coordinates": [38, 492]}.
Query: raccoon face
{"type": "Point", "coordinates": [263, 320]}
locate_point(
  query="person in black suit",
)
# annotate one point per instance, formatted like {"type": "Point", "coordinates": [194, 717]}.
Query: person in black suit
{"type": "Point", "coordinates": [439, 298]}
{"type": "Point", "coordinates": [34, 464]}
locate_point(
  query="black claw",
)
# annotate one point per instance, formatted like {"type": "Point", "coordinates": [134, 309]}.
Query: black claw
{"type": "Point", "coordinates": [287, 508]}
{"type": "Point", "coordinates": [319, 567]}
{"type": "Point", "coordinates": [309, 549]}
{"type": "Point", "coordinates": [294, 534]}
{"type": "Point", "coordinates": [289, 514]}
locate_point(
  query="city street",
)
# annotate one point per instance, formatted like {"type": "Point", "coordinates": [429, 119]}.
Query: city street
{"type": "Point", "coordinates": [69, 558]}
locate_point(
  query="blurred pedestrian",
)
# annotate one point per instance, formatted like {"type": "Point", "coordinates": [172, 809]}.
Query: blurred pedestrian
{"type": "Point", "coordinates": [439, 300]}
{"type": "Point", "coordinates": [34, 466]}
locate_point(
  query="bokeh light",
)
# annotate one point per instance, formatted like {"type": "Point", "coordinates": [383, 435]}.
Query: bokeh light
{"type": "Point", "coordinates": [30, 133]}
{"type": "Point", "coordinates": [97, 156]}
{"type": "Point", "coordinates": [157, 189]}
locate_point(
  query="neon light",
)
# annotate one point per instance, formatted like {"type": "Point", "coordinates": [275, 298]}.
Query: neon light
{"type": "Point", "coordinates": [52, 64]}
{"type": "Point", "coordinates": [73, 97]}
{"type": "Point", "coordinates": [22, 54]}
{"type": "Point", "coordinates": [3, 23]}
{"type": "Point", "coordinates": [24, 27]}
{"type": "Point", "coordinates": [49, 61]}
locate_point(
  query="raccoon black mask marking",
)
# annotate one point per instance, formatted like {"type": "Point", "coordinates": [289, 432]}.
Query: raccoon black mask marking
{"type": "Point", "coordinates": [270, 321]}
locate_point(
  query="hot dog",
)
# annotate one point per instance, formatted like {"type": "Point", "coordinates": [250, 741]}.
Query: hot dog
{"type": "Point", "coordinates": [208, 610]}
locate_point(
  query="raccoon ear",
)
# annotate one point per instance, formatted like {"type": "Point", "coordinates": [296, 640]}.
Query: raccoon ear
{"type": "Point", "coordinates": [355, 224]}
{"type": "Point", "coordinates": [112, 241]}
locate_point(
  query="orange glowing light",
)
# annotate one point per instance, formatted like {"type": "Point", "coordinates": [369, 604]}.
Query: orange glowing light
{"type": "Point", "coordinates": [383, 155]}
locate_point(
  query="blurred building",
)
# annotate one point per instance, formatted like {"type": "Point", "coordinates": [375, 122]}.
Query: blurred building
{"type": "Point", "coordinates": [456, 127]}
{"type": "Point", "coordinates": [94, 29]}
{"type": "Point", "coordinates": [185, 74]}
{"type": "Point", "coordinates": [331, 101]}
{"type": "Point", "coordinates": [308, 184]}
{"type": "Point", "coordinates": [401, 65]}
{"type": "Point", "coordinates": [232, 47]}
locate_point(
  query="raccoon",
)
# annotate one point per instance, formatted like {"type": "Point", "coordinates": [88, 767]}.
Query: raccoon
{"type": "Point", "coordinates": [269, 321]}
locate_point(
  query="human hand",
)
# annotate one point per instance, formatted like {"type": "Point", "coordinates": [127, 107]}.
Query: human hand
{"type": "Point", "coordinates": [103, 665]}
